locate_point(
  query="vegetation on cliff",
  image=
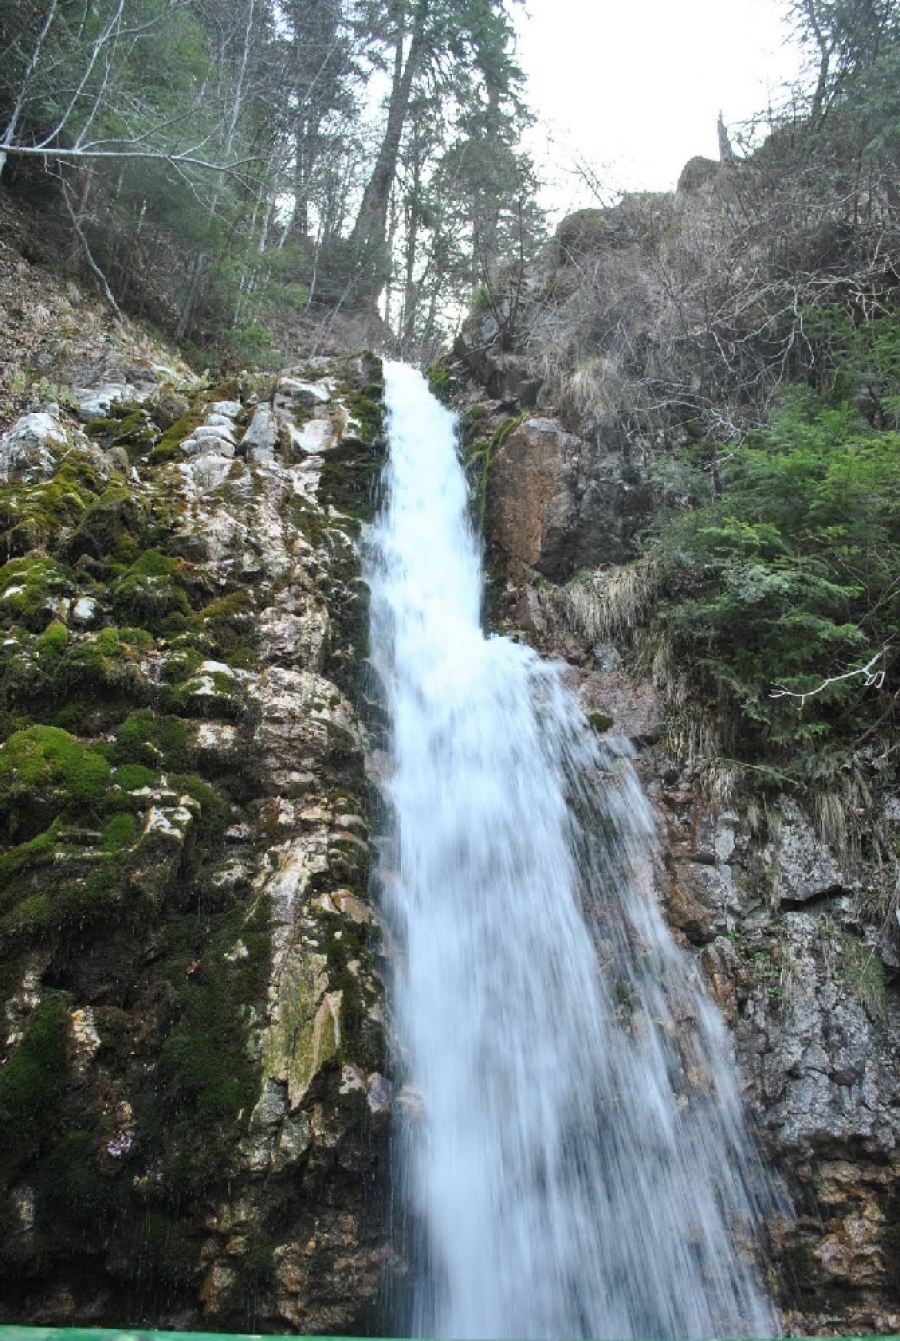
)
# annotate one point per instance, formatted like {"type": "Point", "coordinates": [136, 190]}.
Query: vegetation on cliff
{"type": "Point", "coordinates": [170, 620]}
{"type": "Point", "coordinates": [735, 346]}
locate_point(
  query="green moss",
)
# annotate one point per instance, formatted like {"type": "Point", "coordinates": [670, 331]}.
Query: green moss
{"type": "Point", "coordinates": [204, 1070]}
{"type": "Point", "coordinates": [168, 447]}
{"type": "Point", "coordinates": [31, 515]}
{"type": "Point", "coordinates": [439, 382]}
{"type": "Point", "coordinates": [30, 919]}
{"type": "Point", "coordinates": [350, 474]}
{"type": "Point", "coordinates": [52, 643]}
{"type": "Point", "coordinates": [71, 1187]}
{"type": "Point", "coordinates": [30, 588]}
{"type": "Point", "coordinates": [600, 721]}
{"type": "Point", "coordinates": [110, 528]}
{"type": "Point", "coordinates": [213, 810]}
{"type": "Point", "coordinates": [147, 738]}
{"type": "Point", "coordinates": [479, 457]}
{"type": "Point", "coordinates": [128, 427]}
{"type": "Point", "coordinates": [471, 421]}
{"type": "Point", "coordinates": [119, 832]}
{"type": "Point", "coordinates": [117, 1029]}
{"type": "Point", "coordinates": [44, 772]}
{"type": "Point", "coordinates": [31, 1084]}
{"type": "Point", "coordinates": [229, 626]}
{"type": "Point", "coordinates": [181, 664]}
{"type": "Point", "coordinates": [104, 661]}
{"type": "Point", "coordinates": [366, 408]}
{"type": "Point", "coordinates": [210, 694]}
{"type": "Point", "coordinates": [132, 777]}
{"type": "Point", "coordinates": [152, 590]}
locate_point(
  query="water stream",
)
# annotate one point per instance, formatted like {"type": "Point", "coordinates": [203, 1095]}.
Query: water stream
{"type": "Point", "coordinates": [574, 1163]}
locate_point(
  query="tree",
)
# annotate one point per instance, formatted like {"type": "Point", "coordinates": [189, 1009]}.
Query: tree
{"type": "Point", "coordinates": [429, 45]}
{"type": "Point", "coordinates": [77, 84]}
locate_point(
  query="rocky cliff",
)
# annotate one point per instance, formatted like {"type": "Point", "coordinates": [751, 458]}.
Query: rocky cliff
{"type": "Point", "coordinates": [791, 918]}
{"type": "Point", "coordinates": [191, 1060]}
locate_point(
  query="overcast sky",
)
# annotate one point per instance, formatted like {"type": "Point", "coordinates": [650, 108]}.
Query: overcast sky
{"type": "Point", "coordinates": [633, 87]}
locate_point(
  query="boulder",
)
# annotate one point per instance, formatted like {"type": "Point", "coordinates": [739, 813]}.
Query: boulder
{"type": "Point", "coordinates": [29, 451]}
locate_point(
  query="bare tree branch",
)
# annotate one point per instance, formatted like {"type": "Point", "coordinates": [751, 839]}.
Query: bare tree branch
{"type": "Point", "coordinates": [872, 679]}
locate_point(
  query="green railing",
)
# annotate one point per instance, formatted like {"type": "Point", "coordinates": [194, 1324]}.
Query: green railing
{"type": "Point", "coordinates": [125, 1334]}
{"type": "Point", "coordinates": [146, 1334]}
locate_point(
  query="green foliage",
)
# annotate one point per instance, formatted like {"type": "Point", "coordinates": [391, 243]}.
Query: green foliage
{"type": "Point", "coordinates": [790, 575]}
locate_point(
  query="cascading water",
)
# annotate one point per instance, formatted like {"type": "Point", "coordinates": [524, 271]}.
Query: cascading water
{"type": "Point", "coordinates": [575, 1161]}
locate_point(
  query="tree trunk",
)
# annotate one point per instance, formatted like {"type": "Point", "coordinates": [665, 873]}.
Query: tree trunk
{"type": "Point", "coordinates": [369, 230]}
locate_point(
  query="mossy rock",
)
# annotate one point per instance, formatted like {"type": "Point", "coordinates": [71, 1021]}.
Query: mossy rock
{"type": "Point", "coordinates": [31, 590]}
{"type": "Point", "coordinates": [31, 1084]}
{"type": "Point", "coordinates": [600, 721]}
{"type": "Point", "coordinates": [50, 646]}
{"type": "Point", "coordinates": [440, 382]}
{"type": "Point", "coordinates": [31, 517]}
{"type": "Point", "coordinates": [207, 693]}
{"type": "Point", "coordinates": [206, 1083]}
{"type": "Point", "coordinates": [154, 741]}
{"type": "Point", "coordinates": [168, 405]}
{"type": "Point", "coordinates": [110, 528]}
{"type": "Point", "coordinates": [152, 590]}
{"type": "Point", "coordinates": [182, 661]}
{"type": "Point", "coordinates": [105, 661]}
{"type": "Point", "coordinates": [127, 426]}
{"type": "Point", "coordinates": [119, 832]}
{"type": "Point", "coordinates": [229, 626]}
{"type": "Point", "coordinates": [45, 772]}
{"type": "Point", "coordinates": [169, 446]}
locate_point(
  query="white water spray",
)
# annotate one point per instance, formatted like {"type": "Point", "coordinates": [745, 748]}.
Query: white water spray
{"type": "Point", "coordinates": [578, 1164]}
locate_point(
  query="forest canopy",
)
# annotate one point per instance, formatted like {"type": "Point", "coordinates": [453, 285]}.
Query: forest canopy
{"type": "Point", "coordinates": [219, 162]}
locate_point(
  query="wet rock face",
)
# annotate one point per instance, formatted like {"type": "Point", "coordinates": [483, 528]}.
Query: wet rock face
{"type": "Point", "coordinates": [804, 973]}
{"type": "Point", "coordinates": [191, 1026]}
{"type": "Point", "coordinates": [554, 504]}
{"type": "Point", "coordinates": [792, 963]}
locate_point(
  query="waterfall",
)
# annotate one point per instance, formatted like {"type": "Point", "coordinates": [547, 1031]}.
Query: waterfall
{"type": "Point", "coordinates": [574, 1159]}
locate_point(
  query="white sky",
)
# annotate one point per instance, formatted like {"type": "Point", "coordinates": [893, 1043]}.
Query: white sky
{"type": "Point", "coordinates": [634, 87]}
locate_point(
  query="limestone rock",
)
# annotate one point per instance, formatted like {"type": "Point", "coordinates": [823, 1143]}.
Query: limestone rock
{"type": "Point", "coordinates": [806, 866]}
{"type": "Point", "coordinates": [262, 436]}
{"type": "Point", "coordinates": [31, 448]}
{"type": "Point", "coordinates": [220, 878]}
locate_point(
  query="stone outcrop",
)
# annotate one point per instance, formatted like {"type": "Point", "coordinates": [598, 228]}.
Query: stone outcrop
{"type": "Point", "coordinates": [193, 1043]}
{"type": "Point", "coordinates": [554, 506]}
